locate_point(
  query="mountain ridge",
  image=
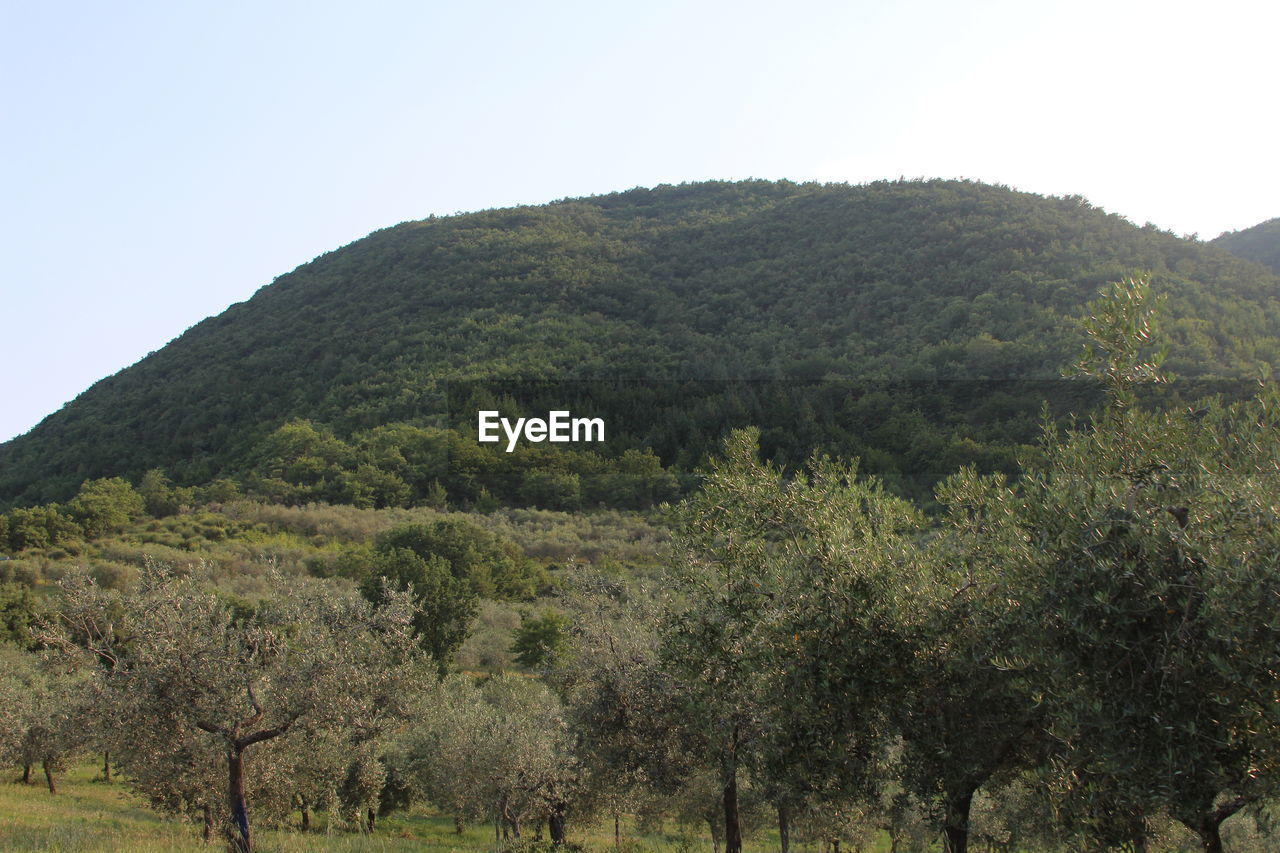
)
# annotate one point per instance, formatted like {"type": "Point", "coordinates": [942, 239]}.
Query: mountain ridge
{"type": "Point", "coordinates": [1260, 243]}
{"type": "Point", "coordinates": [716, 280]}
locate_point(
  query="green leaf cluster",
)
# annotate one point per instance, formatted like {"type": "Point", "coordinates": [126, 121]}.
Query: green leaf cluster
{"type": "Point", "coordinates": [931, 280]}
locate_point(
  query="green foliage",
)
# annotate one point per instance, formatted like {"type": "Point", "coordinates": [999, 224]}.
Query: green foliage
{"type": "Point", "coordinates": [967, 719]}
{"type": "Point", "coordinates": [1100, 612]}
{"type": "Point", "coordinates": [19, 610]}
{"type": "Point", "coordinates": [41, 527]}
{"type": "Point", "coordinates": [160, 497]}
{"type": "Point", "coordinates": [1116, 609]}
{"type": "Point", "coordinates": [1121, 324]}
{"type": "Point", "coordinates": [220, 490]}
{"type": "Point", "coordinates": [1151, 577]}
{"type": "Point", "coordinates": [39, 705]}
{"type": "Point", "coordinates": [343, 362]}
{"type": "Point", "coordinates": [551, 490]}
{"type": "Point", "coordinates": [1261, 243]}
{"type": "Point", "coordinates": [448, 564]}
{"type": "Point", "coordinates": [492, 565]}
{"type": "Point", "coordinates": [500, 750]}
{"type": "Point", "coordinates": [190, 685]}
{"type": "Point", "coordinates": [634, 719]}
{"type": "Point", "coordinates": [1156, 598]}
{"type": "Point", "coordinates": [786, 632]}
{"type": "Point", "coordinates": [105, 506]}
{"type": "Point", "coordinates": [444, 604]}
{"type": "Point", "coordinates": [541, 641]}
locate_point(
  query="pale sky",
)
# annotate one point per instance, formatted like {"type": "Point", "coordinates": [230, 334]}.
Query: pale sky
{"type": "Point", "coordinates": [163, 160]}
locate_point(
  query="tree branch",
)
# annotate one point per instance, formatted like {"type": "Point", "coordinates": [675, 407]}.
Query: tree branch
{"type": "Point", "coordinates": [258, 712]}
{"type": "Point", "coordinates": [1230, 807]}
{"type": "Point", "coordinates": [212, 729]}
{"type": "Point", "coordinates": [266, 734]}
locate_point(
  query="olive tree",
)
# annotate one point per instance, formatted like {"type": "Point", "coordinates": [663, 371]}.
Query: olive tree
{"type": "Point", "coordinates": [196, 687]}
{"type": "Point", "coordinates": [967, 717]}
{"type": "Point", "coordinates": [785, 625]}
{"type": "Point", "coordinates": [1151, 606]}
{"type": "Point", "coordinates": [499, 750]}
{"type": "Point", "coordinates": [40, 707]}
{"type": "Point", "coordinates": [631, 717]}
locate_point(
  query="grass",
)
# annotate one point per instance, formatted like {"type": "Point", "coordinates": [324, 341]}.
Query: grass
{"type": "Point", "coordinates": [85, 815]}
{"type": "Point", "coordinates": [88, 815]}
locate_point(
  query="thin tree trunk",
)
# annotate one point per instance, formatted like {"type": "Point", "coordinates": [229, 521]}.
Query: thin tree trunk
{"type": "Point", "coordinates": [26, 774]}
{"type": "Point", "coordinates": [1140, 834]}
{"type": "Point", "coordinates": [237, 828]}
{"type": "Point", "coordinates": [509, 820]}
{"type": "Point", "coordinates": [373, 819]}
{"type": "Point", "coordinates": [48, 776]}
{"type": "Point", "coordinates": [238, 831]}
{"type": "Point", "coordinates": [555, 825]}
{"type": "Point", "coordinates": [207, 835]}
{"type": "Point", "coordinates": [784, 828]}
{"type": "Point", "coordinates": [1209, 830]}
{"type": "Point", "coordinates": [732, 828]}
{"type": "Point", "coordinates": [732, 824]}
{"type": "Point", "coordinates": [459, 825]}
{"type": "Point", "coordinates": [306, 817]}
{"type": "Point", "coordinates": [617, 831]}
{"type": "Point", "coordinates": [1208, 826]}
{"type": "Point", "coordinates": [106, 767]}
{"type": "Point", "coordinates": [955, 828]}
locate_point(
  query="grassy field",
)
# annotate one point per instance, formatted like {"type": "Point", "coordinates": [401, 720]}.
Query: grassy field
{"type": "Point", "coordinates": [88, 815]}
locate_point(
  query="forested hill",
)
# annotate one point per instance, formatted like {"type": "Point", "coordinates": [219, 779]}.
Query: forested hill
{"type": "Point", "coordinates": [933, 279]}
{"type": "Point", "coordinates": [1261, 243]}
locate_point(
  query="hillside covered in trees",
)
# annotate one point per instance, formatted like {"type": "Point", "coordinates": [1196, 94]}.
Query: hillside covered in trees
{"type": "Point", "coordinates": [333, 382]}
{"type": "Point", "coordinates": [1079, 658]}
{"type": "Point", "coordinates": [281, 580]}
{"type": "Point", "coordinates": [1261, 243]}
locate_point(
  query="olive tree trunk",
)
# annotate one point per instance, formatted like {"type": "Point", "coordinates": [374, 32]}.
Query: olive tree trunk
{"type": "Point", "coordinates": [955, 827]}
{"type": "Point", "coordinates": [238, 831]}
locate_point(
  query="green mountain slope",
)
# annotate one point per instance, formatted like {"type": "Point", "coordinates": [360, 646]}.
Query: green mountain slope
{"type": "Point", "coordinates": [1260, 244]}
{"type": "Point", "coordinates": [926, 280]}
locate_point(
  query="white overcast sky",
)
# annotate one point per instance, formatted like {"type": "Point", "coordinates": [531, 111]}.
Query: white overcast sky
{"type": "Point", "coordinates": [163, 160]}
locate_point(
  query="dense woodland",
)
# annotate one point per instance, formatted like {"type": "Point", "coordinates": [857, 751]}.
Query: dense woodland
{"type": "Point", "coordinates": [1261, 243]}
{"type": "Point", "coordinates": [855, 567]}
{"type": "Point", "coordinates": [918, 281]}
{"type": "Point", "coordinates": [1077, 657]}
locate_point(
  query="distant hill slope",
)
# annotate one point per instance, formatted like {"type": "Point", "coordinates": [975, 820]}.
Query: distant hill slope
{"type": "Point", "coordinates": [924, 279]}
{"type": "Point", "coordinates": [1261, 243]}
